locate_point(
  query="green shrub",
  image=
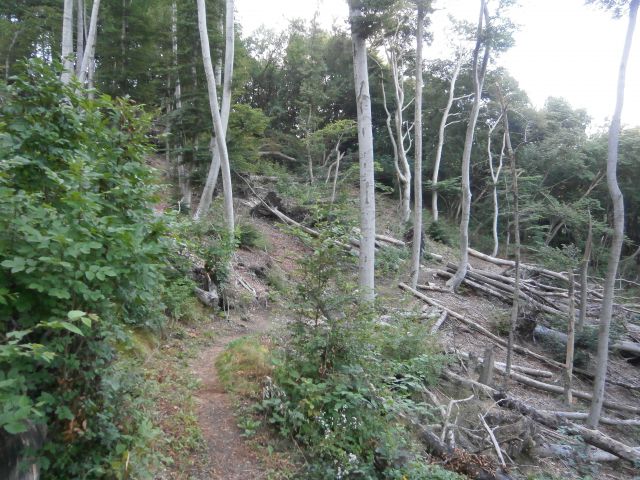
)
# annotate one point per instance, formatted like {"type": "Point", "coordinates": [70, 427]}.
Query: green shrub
{"type": "Point", "coordinates": [440, 232]}
{"type": "Point", "coordinates": [77, 234]}
{"type": "Point", "coordinates": [342, 380]}
{"type": "Point", "coordinates": [248, 236]}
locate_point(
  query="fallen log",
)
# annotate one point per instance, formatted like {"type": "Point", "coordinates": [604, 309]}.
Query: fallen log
{"type": "Point", "coordinates": [479, 328]}
{"type": "Point", "coordinates": [542, 332]}
{"type": "Point", "coordinates": [497, 340]}
{"type": "Point", "coordinates": [527, 370]}
{"type": "Point", "coordinates": [568, 452]}
{"type": "Point", "coordinates": [210, 299]}
{"type": "Point", "coordinates": [548, 387]}
{"type": "Point", "coordinates": [592, 437]}
{"type": "Point", "coordinates": [604, 420]}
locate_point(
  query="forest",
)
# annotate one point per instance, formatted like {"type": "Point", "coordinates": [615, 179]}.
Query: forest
{"type": "Point", "coordinates": [309, 253]}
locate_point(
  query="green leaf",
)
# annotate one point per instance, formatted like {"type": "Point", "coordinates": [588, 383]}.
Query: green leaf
{"type": "Point", "coordinates": [75, 314]}
{"type": "Point", "coordinates": [16, 427]}
{"type": "Point", "coordinates": [72, 328]}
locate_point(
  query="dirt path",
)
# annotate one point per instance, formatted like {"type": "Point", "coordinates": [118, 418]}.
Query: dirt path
{"type": "Point", "coordinates": [229, 457]}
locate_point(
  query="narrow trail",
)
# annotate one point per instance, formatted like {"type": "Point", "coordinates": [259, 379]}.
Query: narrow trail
{"type": "Point", "coordinates": [229, 457]}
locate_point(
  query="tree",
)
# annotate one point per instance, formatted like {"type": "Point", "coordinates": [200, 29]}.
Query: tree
{"type": "Point", "coordinates": [441, 130]}
{"type": "Point", "coordinates": [416, 249]}
{"type": "Point", "coordinates": [214, 168]}
{"type": "Point", "coordinates": [495, 176]}
{"type": "Point", "coordinates": [218, 127]}
{"type": "Point", "coordinates": [365, 153]}
{"type": "Point", "coordinates": [618, 225]}
{"type": "Point", "coordinates": [87, 64]}
{"type": "Point", "coordinates": [67, 41]}
{"type": "Point", "coordinates": [400, 133]}
{"type": "Point", "coordinates": [479, 69]}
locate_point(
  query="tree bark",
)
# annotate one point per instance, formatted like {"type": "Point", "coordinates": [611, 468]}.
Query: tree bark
{"type": "Point", "coordinates": [218, 127]}
{"type": "Point", "coordinates": [67, 41]}
{"type": "Point", "coordinates": [584, 277]}
{"type": "Point", "coordinates": [495, 175]}
{"type": "Point", "coordinates": [365, 153]}
{"type": "Point", "coordinates": [571, 336]}
{"type": "Point", "coordinates": [214, 167]}
{"type": "Point", "coordinates": [516, 228]}
{"type": "Point", "coordinates": [440, 146]}
{"type": "Point", "coordinates": [618, 229]}
{"type": "Point", "coordinates": [416, 248]}
{"type": "Point", "coordinates": [87, 65]}
{"type": "Point", "coordinates": [479, 71]}
{"type": "Point", "coordinates": [80, 34]}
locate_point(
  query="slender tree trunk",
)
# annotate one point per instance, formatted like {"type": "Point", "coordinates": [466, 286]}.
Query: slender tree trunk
{"type": "Point", "coordinates": [479, 71]}
{"type": "Point", "coordinates": [217, 162]}
{"type": "Point", "coordinates": [571, 338]}
{"type": "Point", "coordinates": [516, 229]}
{"type": "Point", "coordinates": [335, 176]}
{"type": "Point", "coordinates": [584, 277]}
{"type": "Point", "coordinates": [495, 175]}
{"type": "Point", "coordinates": [14, 38]}
{"type": "Point", "coordinates": [67, 41]}
{"type": "Point", "coordinates": [80, 34]}
{"type": "Point", "coordinates": [618, 229]}
{"type": "Point", "coordinates": [218, 127]}
{"type": "Point", "coordinates": [416, 249]}
{"type": "Point", "coordinates": [365, 153]}
{"type": "Point", "coordinates": [439, 147]}
{"type": "Point", "coordinates": [184, 173]}
{"type": "Point", "coordinates": [87, 65]}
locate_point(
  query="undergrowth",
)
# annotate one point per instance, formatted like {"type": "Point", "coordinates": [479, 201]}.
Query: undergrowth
{"type": "Point", "coordinates": [341, 385]}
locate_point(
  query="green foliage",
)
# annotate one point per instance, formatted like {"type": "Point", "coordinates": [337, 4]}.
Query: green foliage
{"type": "Point", "coordinates": [249, 236]}
{"type": "Point", "coordinates": [79, 254]}
{"type": "Point", "coordinates": [342, 380]}
{"type": "Point", "coordinates": [389, 260]}
{"type": "Point", "coordinates": [440, 232]}
{"type": "Point", "coordinates": [243, 366]}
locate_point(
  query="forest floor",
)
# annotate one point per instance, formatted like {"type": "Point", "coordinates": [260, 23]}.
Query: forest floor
{"type": "Point", "coordinates": [208, 416]}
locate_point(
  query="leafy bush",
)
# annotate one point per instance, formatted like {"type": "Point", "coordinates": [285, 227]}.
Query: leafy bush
{"type": "Point", "coordinates": [249, 236]}
{"type": "Point", "coordinates": [343, 381]}
{"type": "Point", "coordinates": [439, 232]}
{"type": "Point", "coordinates": [243, 365]}
{"type": "Point", "coordinates": [77, 234]}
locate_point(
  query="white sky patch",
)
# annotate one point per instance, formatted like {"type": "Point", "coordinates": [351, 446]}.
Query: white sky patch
{"type": "Point", "coordinates": [563, 48]}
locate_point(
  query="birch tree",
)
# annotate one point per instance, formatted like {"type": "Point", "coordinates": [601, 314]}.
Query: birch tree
{"type": "Point", "coordinates": [441, 130]}
{"type": "Point", "coordinates": [80, 34]}
{"type": "Point", "coordinates": [495, 176]}
{"type": "Point", "coordinates": [67, 41]}
{"type": "Point", "coordinates": [214, 168]}
{"type": "Point", "coordinates": [618, 227]}
{"type": "Point", "coordinates": [87, 64]}
{"type": "Point", "coordinates": [218, 127]}
{"type": "Point", "coordinates": [365, 153]}
{"type": "Point", "coordinates": [400, 132]}
{"type": "Point", "coordinates": [416, 249]}
{"type": "Point", "coordinates": [479, 69]}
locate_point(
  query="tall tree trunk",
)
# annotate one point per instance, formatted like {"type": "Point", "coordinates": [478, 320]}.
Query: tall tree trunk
{"type": "Point", "coordinates": [439, 147]}
{"type": "Point", "coordinates": [495, 175]}
{"type": "Point", "coordinates": [67, 41]}
{"type": "Point", "coordinates": [218, 127]}
{"type": "Point", "coordinates": [516, 230]}
{"type": "Point", "coordinates": [584, 277]}
{"type": "Point", "coordinates": [184, 173]}
{"type": "Point", "coordinates": [479, 71]}
{"type": "Point", "coordinates": [216, 163]}
{"type": "Point", "coordinates": [571, 338]}
{"type": "Point", "coordinates": [416, 249]}
{"type": "Point", "coordinates": [365, 153]}
{"type": "Point", "coordinates": [618, 229]}
{"type": "Point", "coordinates": [80, 34]}
{"type": "Point", "coordinates": [87, 66]}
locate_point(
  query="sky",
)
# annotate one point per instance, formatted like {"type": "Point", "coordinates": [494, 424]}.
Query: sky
{"type": "Point", "coordinates": [563, 48]}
